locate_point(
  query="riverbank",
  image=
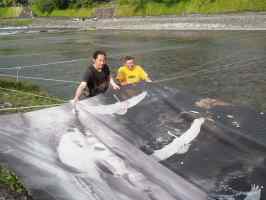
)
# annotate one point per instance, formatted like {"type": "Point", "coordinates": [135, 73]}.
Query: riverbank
{"type": "Point", "coordinates": [10, 186]}
{"type": "Point", "coordinates": [242, 21]}
{"type": "Point", "coordinates": [17, 94]}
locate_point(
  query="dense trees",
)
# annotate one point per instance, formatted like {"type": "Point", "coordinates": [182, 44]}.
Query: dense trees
{"type": "Point", "coordinates": [51, 4]}
{"type": "Point", "coordinates": [7, 3]}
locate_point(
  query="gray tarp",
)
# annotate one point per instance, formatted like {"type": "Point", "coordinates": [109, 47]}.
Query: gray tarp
{"type": "Point", "coordinates": [154, 143]}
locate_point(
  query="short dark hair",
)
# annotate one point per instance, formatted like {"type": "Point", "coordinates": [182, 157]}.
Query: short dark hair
{"type": "Point", "coordinates": [126, 58]}
{"type": "Point", "coordinates": [97, 53]}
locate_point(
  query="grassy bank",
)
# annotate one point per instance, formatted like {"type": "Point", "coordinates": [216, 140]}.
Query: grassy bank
{"type": "Point", "coordinates": [82, 12]}
{"type": "Point", "coordinates": [71, 12]}
{"type": "Point", "coordinates": [189, 7]}
{"type": "Point", "coordinates": [149, 8]}
{"type": "Point", "coordinates": [9, 12]}
{"type": "Point", "coordinates": [17, 94]}
{"type": "Point", "coordinates": [9, 179]}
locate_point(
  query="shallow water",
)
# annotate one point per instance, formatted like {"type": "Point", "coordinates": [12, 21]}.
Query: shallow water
{"type": "Point", "coordinates": [228, 65]}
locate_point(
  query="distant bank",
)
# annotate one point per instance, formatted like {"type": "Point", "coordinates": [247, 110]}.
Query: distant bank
{"type": "Point", "coordinates": [126, 8]}
{"type": "Point", "coordinates": [240, 21]}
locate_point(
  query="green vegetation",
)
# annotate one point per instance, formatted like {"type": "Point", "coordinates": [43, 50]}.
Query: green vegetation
{"type": "Point", "coordinates": [86, 8]}
{"type": "Point", "coordinates": [82, 12]}
{"type": "Point", "coordinates": [17, 94]}
{"type": "Point", "coordinates": [9, 179]}
{"type": "Point", "coordinates": [67, 8]}
{"type": "Point", "coordinates": [22, 94]}
{"type": "Point", "coordinates": [10, 12]}
{"type": "Point", "coordinates": [74, 12]}
{"type": "Point", "coordinates": [177, 7]}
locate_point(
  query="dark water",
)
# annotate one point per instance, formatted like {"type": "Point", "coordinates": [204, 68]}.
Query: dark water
{"type": "Point", "coordinates": [226, 65]}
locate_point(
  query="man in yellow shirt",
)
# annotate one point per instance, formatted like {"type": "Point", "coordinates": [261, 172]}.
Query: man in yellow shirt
{"type": "Point", "coordinates": [130, 73]}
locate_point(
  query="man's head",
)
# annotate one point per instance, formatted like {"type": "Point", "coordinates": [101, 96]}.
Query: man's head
{"type": "Point", "coordinates": [129, 62]}
{"type": "Point", "coordinates": [99, 59]}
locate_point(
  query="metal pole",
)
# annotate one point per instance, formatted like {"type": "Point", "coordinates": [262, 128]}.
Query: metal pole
{"type": "Point", "coordinates": [18, 70]}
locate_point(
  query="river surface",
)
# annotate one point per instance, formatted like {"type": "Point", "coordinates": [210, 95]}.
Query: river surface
{"type": "Point", "coordinates": [229, 65]}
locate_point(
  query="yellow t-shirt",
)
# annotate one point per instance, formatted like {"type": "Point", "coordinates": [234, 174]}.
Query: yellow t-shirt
{"type": "Point", "coordinates": [135, 75]}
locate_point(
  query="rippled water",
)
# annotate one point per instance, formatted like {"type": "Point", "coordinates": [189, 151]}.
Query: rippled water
{"type": "Point", "coordinates": [226, 65]}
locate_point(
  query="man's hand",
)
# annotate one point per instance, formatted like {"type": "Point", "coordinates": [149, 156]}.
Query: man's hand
{"type": "Point", "coordinates": [113, 84]}
{"type": "Point", "coordinates": [74, 101]}
{"type": "Point", "coordinates": [74, 105]}
{"type": "Point", "coordinates": [149, 81]}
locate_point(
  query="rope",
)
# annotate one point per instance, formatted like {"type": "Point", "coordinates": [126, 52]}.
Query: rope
{"type": "Point", "coordinates": [44, 64]}
{"type": "Point", "coordinates": [32, 94]}
{"type": "Point", "coordinates": [39, 78]}
{"type": "Point", "coordinates": [29, 107]}
{"type": "Point", "coordinates": [75, 60]}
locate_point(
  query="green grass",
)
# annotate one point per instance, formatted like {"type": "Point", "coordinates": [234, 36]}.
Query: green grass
{"type": "Point", "coordinates": [23, 98]}
{"type": "Point", "coordinates": [82, 12]}
{"type": "Point", "coordinates": [18, 99]}
{"type": "Point", "coordinates": [9, 12]}
{"type": "Point", "coordinates": [37, 12]}
{"type": "Point", "coordinates": [9, 179]}
{"type": "Point", "coordinates": [192, 6]}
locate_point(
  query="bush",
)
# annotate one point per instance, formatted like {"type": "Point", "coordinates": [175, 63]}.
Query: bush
{"type": "Point", "coordinates": [46, 6]}
{"type": "Point", "coordinates": [11, 180]}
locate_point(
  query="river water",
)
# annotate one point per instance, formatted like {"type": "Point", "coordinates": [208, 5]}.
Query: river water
{"type": "Point", "coordinates": [229, 65]}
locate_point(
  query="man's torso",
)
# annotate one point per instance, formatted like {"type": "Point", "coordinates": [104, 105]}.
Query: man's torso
{"type": "Point", "coordinates": [132, 76]}
{"type": "Point", "coordinates": [97, 81]}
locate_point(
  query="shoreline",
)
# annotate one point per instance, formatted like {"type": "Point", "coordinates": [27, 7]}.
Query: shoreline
{"type": "Point", "coordinates": [239, 21]}
{"type": "Point", "coordinates": [248, 21]}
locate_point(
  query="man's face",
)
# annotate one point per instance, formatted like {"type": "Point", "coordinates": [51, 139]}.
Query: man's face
{"type": "Point", "coordinates": [100, 61]}
{"type": "Point", "coordinates": [130, 64]}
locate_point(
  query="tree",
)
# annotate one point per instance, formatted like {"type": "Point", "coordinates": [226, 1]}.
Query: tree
{"type": "Point", "coordinates": [6, 3]}
{"type": "Point", "coordinates": [45, 5]}
{"type": "Point", "coordinates": [22, 2]}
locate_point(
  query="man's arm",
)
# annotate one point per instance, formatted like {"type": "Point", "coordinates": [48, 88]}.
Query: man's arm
{"type": "Point", "coordinates": [144, 75]}
{"type": "Point", "coordinates": [120, 77]}
{"type": "Point", "coordinates": [79, 91]}
{"type": "Point", "coordinates": [113, 84]}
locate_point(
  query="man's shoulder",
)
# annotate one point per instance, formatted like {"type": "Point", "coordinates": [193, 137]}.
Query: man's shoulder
{"type": "Point", "coordinates": [90, 69]}
{"type": "Point", "coordinates": [122, 68]}
{"type": "Point", "coordinates": [138, 67]}
{"type": "Point", "coordinates": [105, 66]}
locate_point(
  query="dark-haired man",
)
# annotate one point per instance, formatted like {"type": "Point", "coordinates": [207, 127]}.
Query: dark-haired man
{"type": "Point", "coordinates": [97, 78]}
{"type": "Point", "coordinates": [130, 73]}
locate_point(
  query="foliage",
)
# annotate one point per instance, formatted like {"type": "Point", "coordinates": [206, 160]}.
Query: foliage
{"type": "Point", "coordinates": [46, 6]}
{"type": "Point", "coordinates": [177, 7]}
{"type": "Point", "coordinates": [7, 3]}
{"type": "Point", "coordinates": [10, 12]}
{"type": "Point", "coordinates": [81, 12]}
{"type": "Point", "coordinates": [24, 97]}
{"type": "Point", "coordinates": [11, 180]}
